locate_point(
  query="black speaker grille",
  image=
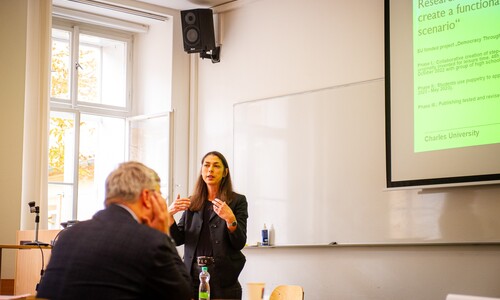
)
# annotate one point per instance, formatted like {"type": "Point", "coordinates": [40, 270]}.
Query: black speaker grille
{"type": "Point", "coordinates": [192, 36]}
{"type": "Point", "coordinates": [190, 18]}
{"type": "Point", "coordinates": [198, 30]}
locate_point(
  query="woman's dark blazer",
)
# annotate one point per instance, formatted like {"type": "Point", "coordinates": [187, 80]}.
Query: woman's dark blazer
{"type": "Point", "coordinates": [229, 260]}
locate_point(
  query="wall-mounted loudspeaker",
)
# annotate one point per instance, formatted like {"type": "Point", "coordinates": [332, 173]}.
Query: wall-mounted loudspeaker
{"type": "Point", "coordinates": [198, 30]}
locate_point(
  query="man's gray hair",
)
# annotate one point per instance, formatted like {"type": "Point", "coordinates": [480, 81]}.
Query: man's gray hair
{"type": "Point", "coordinates": [128, 181]}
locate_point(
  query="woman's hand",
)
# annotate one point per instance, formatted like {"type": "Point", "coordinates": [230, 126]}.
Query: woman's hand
{"type": "Point", "coordinates": [224, 211]}
{"type": "Point", "coordinates": [179, 204]}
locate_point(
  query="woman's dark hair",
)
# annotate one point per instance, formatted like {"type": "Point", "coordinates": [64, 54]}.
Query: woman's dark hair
{"type": "Point", "coordinates": [200, 193]}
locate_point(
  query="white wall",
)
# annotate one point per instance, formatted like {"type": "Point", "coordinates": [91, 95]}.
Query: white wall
{"type": "Point", "coordinates": [156, 90]}
{"type": "Point", "coordinates": [152, 69]}
{"type": "Point", "coordinates": [279, 47]}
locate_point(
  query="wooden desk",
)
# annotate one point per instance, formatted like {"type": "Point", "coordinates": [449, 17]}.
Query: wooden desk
{"type": "Point", "coordinates": [17, 247]}
{"type": "Point", "coordinates": [29, 263]}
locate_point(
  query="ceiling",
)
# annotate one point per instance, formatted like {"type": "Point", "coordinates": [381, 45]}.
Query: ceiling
{"type": "Point", "coordinates": [93, 7]}
{"type": "Point", "coordinates": [186, 4]}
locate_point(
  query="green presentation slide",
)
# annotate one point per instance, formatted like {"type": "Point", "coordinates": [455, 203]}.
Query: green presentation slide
{"type": "Point", "coordinates": [456, 63]}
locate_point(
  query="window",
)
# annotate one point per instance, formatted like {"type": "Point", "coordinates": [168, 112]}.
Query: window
{"type": "Point", "coordinates": [92, 127]}
{"type": "Point", "coordinates": [83, 148]}
{"type": "Point", "coordinates": [149, 142]}
{"type": "Point", "coordinates": [90, 69]}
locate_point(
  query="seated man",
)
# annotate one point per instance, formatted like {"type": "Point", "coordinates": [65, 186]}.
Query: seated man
{"type": "Point", "coordinates": [124, 251]}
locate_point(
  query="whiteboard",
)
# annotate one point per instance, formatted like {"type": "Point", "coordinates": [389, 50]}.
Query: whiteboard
{"type": "Point", "coordinates": [312, 165]}
{"type": "Point", "coordinates": [294, 155]}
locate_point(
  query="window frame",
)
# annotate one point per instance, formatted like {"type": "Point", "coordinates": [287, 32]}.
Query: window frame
{"type": "Point", "coordinates": [75, 28]}
{"type": "Point", "coordinates": [77, 108]}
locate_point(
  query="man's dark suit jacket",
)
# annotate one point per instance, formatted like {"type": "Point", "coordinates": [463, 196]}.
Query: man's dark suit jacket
{"type": "Point", "coordinates": [112, 256]}
{"type": "Point", "coordinates": [229, 260]}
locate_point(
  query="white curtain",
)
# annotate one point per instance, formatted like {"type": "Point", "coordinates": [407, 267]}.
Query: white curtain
{"type": "Point", "coordinates": [36, 111]}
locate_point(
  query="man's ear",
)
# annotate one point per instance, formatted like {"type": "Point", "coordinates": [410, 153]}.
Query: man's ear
{"type": "Point", "coordinates": [146, 198]}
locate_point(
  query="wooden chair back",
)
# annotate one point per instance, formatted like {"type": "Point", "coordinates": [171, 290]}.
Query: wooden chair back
{"type": "Point", "coordinates": [287, 292]}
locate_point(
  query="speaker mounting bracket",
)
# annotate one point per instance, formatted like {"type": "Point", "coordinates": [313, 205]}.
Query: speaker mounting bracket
{"type": "Point", "coordinates": [214, 54]}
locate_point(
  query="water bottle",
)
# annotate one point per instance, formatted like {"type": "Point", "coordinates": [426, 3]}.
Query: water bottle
{"type": "Point", "coordinates": [204, 290]}
{"type": "Point", "coordinates": [265, 236]}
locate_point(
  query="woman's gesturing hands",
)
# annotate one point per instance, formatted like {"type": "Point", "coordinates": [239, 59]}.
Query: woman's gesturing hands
{"type": "Point", "coordinates": [224, 211]}
{"type": "Point", "coordinates": [179, 204]}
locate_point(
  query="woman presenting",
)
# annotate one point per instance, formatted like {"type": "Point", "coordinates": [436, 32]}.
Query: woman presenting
{"type": "Point", "coordinates": [213, 228]}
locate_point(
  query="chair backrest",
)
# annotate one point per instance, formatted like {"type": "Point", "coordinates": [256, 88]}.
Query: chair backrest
{"type": "Point", "coordinates": [287, 292]}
